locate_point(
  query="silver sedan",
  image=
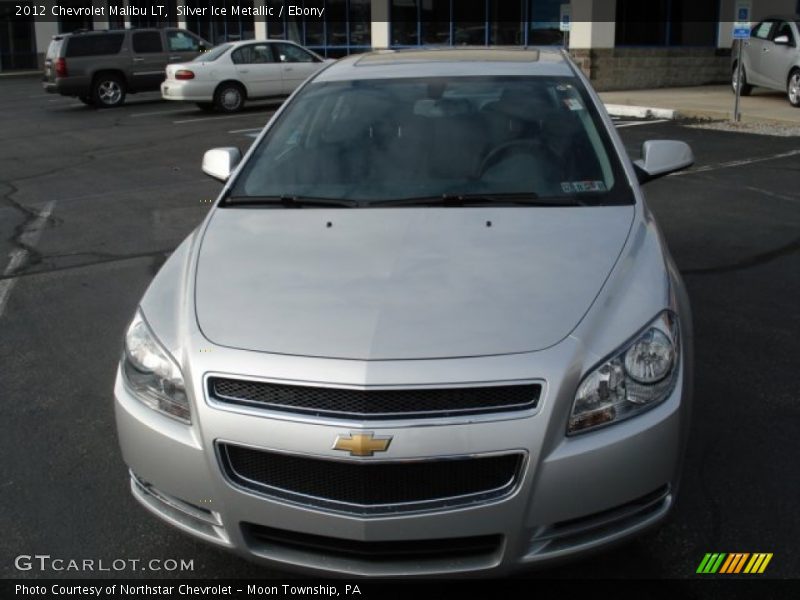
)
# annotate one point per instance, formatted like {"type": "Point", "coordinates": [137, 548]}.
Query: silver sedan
{"type": "Point", "coordinates": [430, 326]}
{"type": "Point", "coordinates": [770, 58]}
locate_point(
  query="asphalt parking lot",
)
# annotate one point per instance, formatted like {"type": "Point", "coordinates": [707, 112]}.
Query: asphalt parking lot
{"type": "Point", "coordinates": [92, 202]}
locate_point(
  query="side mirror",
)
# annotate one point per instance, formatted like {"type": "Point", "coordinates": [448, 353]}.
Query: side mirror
{"type": "Point", "coordinates": [662, 157]}
{"type": "Point", "coordinates": [219, 163]}
{"type": "Point", "coordinates": [782, 40]}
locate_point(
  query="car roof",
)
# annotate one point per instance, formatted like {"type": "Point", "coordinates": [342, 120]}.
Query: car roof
{"type": "Point", "coordinates": [87, 32]}
{"type": "Point", "coordinates": [460, 61]}
{"type": "Point", "coordinates": [781, 18]}
{"type": "Point", "coordinates": [238, 43]}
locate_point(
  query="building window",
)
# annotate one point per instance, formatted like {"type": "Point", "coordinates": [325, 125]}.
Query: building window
{"type": "Point", "coordinates": [147, 18]}
{"type": "Point", "coordinates": [472, 22]}
{"type": "Point", "coordinates": [506, 22]}
{"type": "Point", "coordinates": [17, 38]}
{"type": "Point", "coordinates": [230, 28]}
{"type": "Point", "coordinates": [469, 23]}
{"type": "Point", "coordinates": [345, 28]}
{"type": "Point", "coordinates": [404, 23]}
{"type": "Point", "coordinates": [544, 23]}
{"type": "Point", "coordinates": [360, 21]}
{"type": "Point", "coordinates": [667, 22]}
{"type": "Point", "coordinates": [434, 18]}
{"type": "Point", "coordinates": [69, 23]}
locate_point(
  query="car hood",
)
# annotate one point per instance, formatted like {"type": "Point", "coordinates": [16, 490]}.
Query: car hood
{"type": "Point", "coordinates": [403, 283]}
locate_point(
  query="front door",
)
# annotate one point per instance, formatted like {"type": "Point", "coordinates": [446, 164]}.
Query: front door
{"type": "Point", "coordinates": [753, 50]}
{"type": "Point", "coordinates": [257, 70]}
{"type": "Point", "coordinates": [778, 59]}
{"type": "Point", "coordinates": [298, 64]}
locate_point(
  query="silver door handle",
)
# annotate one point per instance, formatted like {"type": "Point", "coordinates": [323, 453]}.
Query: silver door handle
{"type": "Point", "coordinates": [137, 59]}
{"type": "Point", "coordinates": [175, 57]}
{"type": "Point", "coordinates": [244, 70]}
{"type": "Point", "coordinates": [288, 69]}
{"type": "Point", "coordinates": [765, 49]}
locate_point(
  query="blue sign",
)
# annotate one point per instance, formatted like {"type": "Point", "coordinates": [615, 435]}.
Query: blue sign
{"type": "Point", "coordinates": [743, 15]}
{"type": "Point", "coordinates": [741, 33]}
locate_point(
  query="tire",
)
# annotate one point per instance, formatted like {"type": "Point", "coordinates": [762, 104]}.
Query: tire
{"type": "Point", "coordinates": [206, 106]}
{"type": "Point", "coordinates": [108, 91]}
{"type": "Point", "coordinates": [87, 100]}
{"type": "Point", "coordinates": [793, 88]}
{"type": "Point", "coordinates": [746, 87]}
{"type": "Point", "coordinates": [229, 98]}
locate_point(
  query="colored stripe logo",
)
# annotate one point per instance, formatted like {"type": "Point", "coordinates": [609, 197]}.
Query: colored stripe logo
{"type": "Point", "coordinates": [734, 563]}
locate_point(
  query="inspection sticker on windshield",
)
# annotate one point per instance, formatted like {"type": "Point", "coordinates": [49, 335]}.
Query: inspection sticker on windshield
{"type": "Point", "coordinates": [583, 186]}
{"type": "Point", "coordinates": [573, 104]}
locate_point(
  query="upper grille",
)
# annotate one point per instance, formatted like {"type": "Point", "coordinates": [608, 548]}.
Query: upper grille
{"type": "Point", "coordinates": [374, 404]}
{"type": "Point", "coordinates": [368, 486]}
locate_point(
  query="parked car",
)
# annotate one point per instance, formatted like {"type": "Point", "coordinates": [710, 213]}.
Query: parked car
{"type": "Point", "coordinates": [430, 326]}
{"type": "Point", "coordinates": [225, 78]}
{"type": "Point", "coordinates": [102, 67]}
{"type": "Point", "coordinates": [771, 58]}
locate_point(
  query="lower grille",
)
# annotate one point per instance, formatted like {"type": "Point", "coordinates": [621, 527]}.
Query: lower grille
{"type": "Point", "coordinates": [375, 552]}
{"type": "Point", "coordinates": [371, 487]}
{"type": "Point", "coordinates": [374, 404]}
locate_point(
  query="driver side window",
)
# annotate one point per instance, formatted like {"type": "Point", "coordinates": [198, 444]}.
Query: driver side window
{"type": "Point", "coordinates": [761, 31]}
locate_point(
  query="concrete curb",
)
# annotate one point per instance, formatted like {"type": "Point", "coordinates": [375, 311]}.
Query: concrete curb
{"type": "Point", "coordinates": [640, 112]}
{"type": "Point", "coordinates": [21, 74]}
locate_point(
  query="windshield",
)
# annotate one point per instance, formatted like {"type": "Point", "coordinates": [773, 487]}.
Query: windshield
{"type": "Point", "coordinates": [212, 54]}
{"type": "Point", "coordinates": [384, 141]}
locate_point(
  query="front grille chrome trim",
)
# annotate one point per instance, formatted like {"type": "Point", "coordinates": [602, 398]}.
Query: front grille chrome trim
{"type": "Point", "coordinates": [488, 496]}
{"type": "Point", "coordinates": [522, 408]}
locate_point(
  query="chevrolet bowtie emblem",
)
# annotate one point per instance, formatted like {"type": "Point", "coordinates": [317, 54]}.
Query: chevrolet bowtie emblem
{"type": "Point", "coordinates": [362, 444]}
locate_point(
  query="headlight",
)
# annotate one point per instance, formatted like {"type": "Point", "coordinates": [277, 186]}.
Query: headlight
{"type": "Point", "coordinates": [640, 375]}
{"type": "Point", "coordinates": [152, 374]}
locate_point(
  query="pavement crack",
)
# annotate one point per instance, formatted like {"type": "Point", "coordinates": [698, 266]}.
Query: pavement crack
{"type": "Point", "coordinates": [749, 262]}
{"type": "Point", "coordinates": [100, 258]}
{"type": "Point", "coordinates": [22, 231]}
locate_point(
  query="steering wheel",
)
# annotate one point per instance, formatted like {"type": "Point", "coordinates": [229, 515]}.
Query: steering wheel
{"type": "Point", "coordinates": [523, 145]}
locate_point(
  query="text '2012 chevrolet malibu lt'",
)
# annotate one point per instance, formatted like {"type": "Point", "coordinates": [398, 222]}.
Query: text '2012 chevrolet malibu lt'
{"type": "Point", "coordinates": [429, 326]}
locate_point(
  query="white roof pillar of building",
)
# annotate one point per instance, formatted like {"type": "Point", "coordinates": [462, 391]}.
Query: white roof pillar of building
{"type": "Point", "coordinates": [45, 29]}
{"type": "Point", "coordinates": [593, 24]}
{"type": "Point", "coordinates": [259, 21]}
{"type": "Point", "coordinates": [181, 18]}
{"type": "Point", "coordinates": [100, 22]}
{"type": "Point", "coordinates": [379, 9]}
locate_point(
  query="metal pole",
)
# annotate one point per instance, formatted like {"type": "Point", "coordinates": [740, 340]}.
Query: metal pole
{"type": "Point", "coordinates": [736, 115]}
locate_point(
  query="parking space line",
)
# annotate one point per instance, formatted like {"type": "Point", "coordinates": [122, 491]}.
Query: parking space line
{"type": "Point", "coordinates": [635, 123]}
{"type": "Point", "coordinates": [735, 163]}
{"type": "Point", "coordinates": [30, 235]}
{"type": "Point", "coordinates": [206, 119]}
{"type": "Point", "coordinates": [163, 112]}
{"type": "Point", "coordinates": [250, 130]}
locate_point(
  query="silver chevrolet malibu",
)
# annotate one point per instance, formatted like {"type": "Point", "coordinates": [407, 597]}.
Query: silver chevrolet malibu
{"type": "Point", "coordinates": [428, 327]}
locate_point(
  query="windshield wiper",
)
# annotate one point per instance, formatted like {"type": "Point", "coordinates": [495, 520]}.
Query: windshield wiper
{"type": "Point", "coordinates": [289, 201]}
{"type": "Point", "coordinates": [526, 198]}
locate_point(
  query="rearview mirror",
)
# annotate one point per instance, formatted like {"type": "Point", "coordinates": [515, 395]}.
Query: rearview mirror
{"type": "Point", "coordinates": [782, 40]}
{"type": "Point", "coordinates": [219, 163]}
{"type": "Point", "coordinates": [662, 157]}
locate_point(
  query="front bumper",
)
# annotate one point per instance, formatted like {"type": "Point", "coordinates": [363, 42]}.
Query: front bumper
{"type": "Point", "coordinates": [572, 495]}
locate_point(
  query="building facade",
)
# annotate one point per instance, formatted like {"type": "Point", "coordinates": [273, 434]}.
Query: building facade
{"type": "Point", "coordinates": [620, 44]}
